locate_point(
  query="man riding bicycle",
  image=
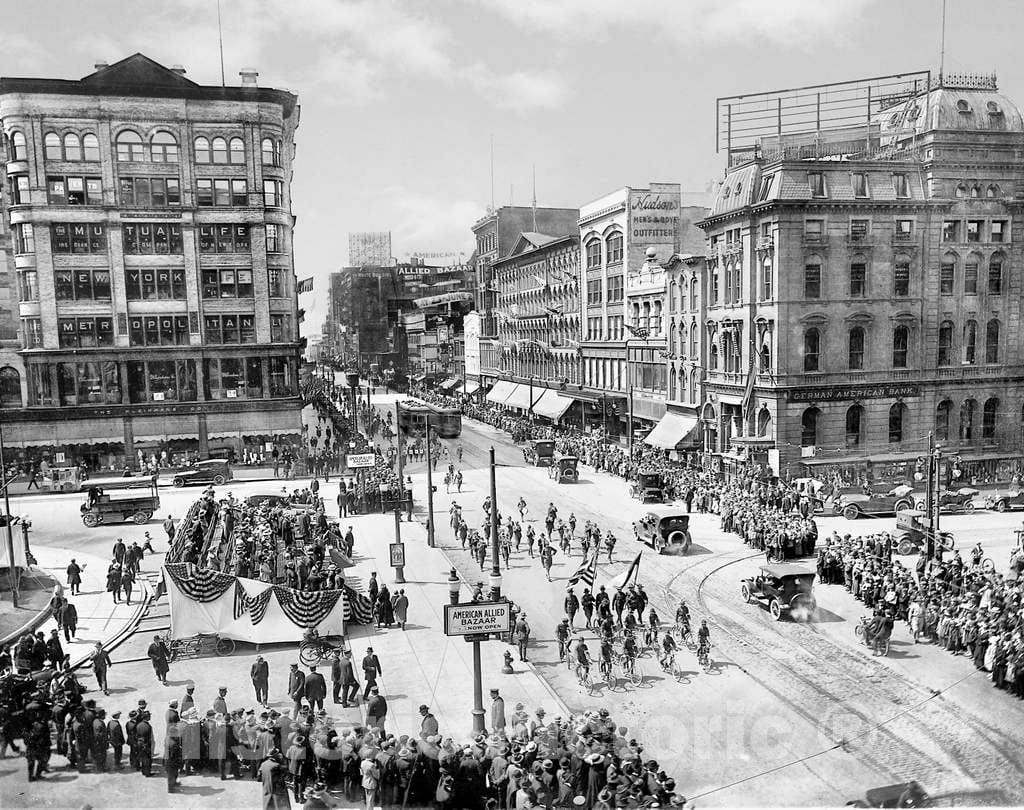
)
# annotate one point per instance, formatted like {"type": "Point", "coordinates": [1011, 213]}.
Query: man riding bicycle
{"type": "Point", "coordinates": [683, 617]}
{"type": "Point", "coordinates": [703, 640]}
{"type": "Point", "coordinates": [606, 657]}
{"type": "Point", "coordinates": [653, 628]}
{"type": "Point", "coordinates": [668, 646]}
{"type": "Point", "coordinates": [581, 655]}
{"type": "Point", "coordinates": [629, 652]}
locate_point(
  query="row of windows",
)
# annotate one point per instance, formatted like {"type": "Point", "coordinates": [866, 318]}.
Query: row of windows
{"type": "Point", "coordinates": [130, 147]}
{"type": "Point", "coordinates": [856, 422]}
{"type": "Point", "coordinates": [145, 192]}
{"type": "Point", "coordinates": [145, 238]}
{"type": "Point", "coordinates": [231, 329]}
{"type": "Point", "coordinates": [612, 250]}
{"type": "Point", "coordinates": [860, 181]}
{"type": "Point", "coordinates": [972, 230]}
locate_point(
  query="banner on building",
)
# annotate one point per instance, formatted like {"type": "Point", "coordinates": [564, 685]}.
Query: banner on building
{"type": "Point", "coordinates": [305, 285]}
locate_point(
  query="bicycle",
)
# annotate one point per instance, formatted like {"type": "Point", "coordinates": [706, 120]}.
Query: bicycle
{"type": "Point", "coordinates": [685, 635]}
{"type": "Point", "coordinates": [583, 677]}
{"type": "Point", "coordinates": [671, 667]}
{"type": "Point", "coordinates": [636, 677]}
{"type": "Point", "coordinates": [313, 651]}
{"type": "Point", "coordinates": [197, 645]}
{"type": "Point", "coordinates": [704, 659]}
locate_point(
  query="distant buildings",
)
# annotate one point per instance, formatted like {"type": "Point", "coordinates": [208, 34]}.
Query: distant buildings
{"type": "Point", "coordinates": [152, 247]}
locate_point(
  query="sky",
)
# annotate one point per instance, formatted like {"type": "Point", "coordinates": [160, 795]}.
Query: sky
{"type": "Point", "coordinates": [400, 99]}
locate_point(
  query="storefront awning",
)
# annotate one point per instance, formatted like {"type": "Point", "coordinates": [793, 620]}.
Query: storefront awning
{"type": "Point", "coordinates": [471, 387]}
{"type": "Point", "coordinates": [450, 383]}
{"type": "Point", "coordinates": [551, 405]}
{"type": "Point", "coordinates": [520, 397]}
{"type": "Point", "coordinates": [674, 430]}
{"type": "Point", "coordinates": [500, 392]}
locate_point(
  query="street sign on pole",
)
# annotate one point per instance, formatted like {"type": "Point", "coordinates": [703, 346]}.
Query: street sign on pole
{"type": "Point", "coordinates": [478, 618]}
{"type": "Point", "coordinates": [397, 555]}
{"type": "Point", "coordinates": [357, 461]}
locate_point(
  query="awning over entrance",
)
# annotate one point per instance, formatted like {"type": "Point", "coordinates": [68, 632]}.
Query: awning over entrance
{"type": "Point", "coordinates": [471, 387]}
{"type": "Point", "coordinates": [674, 430]}
{"type": "Point", "coordinates": [520, 397]}
{"type": "Point", "coordinates": [551, 405]}
{"type": "Point", "coordinates": [500, 392]}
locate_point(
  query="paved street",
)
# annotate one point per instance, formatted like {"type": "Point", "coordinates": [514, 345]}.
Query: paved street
{"type": "Point", "coordinates": [804, 697]}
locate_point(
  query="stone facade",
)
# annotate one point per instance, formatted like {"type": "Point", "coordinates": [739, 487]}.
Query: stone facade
{"type": "Point", "coordinates": [152, 242]}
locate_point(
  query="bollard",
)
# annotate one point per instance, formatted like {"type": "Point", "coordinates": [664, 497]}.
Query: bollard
{"type": "Point", "coordinates": [507, 669]}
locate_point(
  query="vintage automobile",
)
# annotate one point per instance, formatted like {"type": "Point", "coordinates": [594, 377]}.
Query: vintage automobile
{"type": "Point", "coordinates": [904, 794]}
{"type": "Point", "coordinates": [665, 529]}
{"type": "Point", "coordinates": [960, 500]}
{"type": "Point", "coordinates": [213, 471]}
{"type": "Point", "coordinates": [649, 487]}
{"type": "Point", "coordinates": [1005, 500]}
{"type": "Point", "coordinates": [135, 499]}
{"type": "Point", "coordinates": [539, 452]}
{"type": "Point", "coordinates": [851, 505]}
{"type": "Point", "coordinates": [269, 498]}
{"type": "Point", "coordinates": [815, 489]}
{"type": "Point", "coordinates": [912, 532]}
{"type": "Point", "coordinates": [565, 469]}
{"type": "Point", "coordinates": [786, 588]}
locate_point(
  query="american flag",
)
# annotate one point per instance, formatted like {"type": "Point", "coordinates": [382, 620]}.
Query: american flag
{"type": "Point", "coordinates": [357, 607]}
{"type": "Point", "coordinates": [586, 573]}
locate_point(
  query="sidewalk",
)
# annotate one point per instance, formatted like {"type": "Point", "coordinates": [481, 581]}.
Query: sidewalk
{"type": "Point", "coordinates": [421, 664]}
{"type": "Point", "coordinates": [99, 619]}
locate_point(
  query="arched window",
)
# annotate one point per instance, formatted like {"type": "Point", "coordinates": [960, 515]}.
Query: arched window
{"type": "Point", "coordinates": [713, 357]}
{"type": "Point", "coordinates": [989, 414]}
{"type": "Point", "coordinates": [91, 147]}
{"type": "Point", "coordinates": [693, 341]}
{"type": "Point", "coordinates": [947, 274]}
{"type": "Point", "coordinates": [164, 148]}
{"type": "Point", "coordinates": [220, 150]}
{"type": "Point", "coordinates": [971, 274]}
{"type": "Point", "coordinates": [970, 342]}
{"type": "Point", "coordinates": [268, 152]}
{"type": "Point", "coordinates": [202, 149]}
{"type": "Point", "coordinates": [854, 425]}
{"type": "Point", "coordinates": [967, 411]}
{"type": "Point", "coordinates": [237, 148]}
{"type": "Point", "coordinates": [52, 147]}
{"type": "Point", "coordinates": [764, 422]}
{"type": "Point", "coordinates": [593, 253]}
{"type": "Point", "coordinates": [992, 341]}
{"type": "Point", "coordinates": [961, 191]}
{"type": "Point", "coordinates": [614, 247]}
{"type": "Point", "coordinates": [942, 412]}
{"type": "Point", "coordinates": [129, 146]}
{"type": "Point", "coordinates": [995, 274]}
{"type": "Point", "coordinates": [897, 413]}
{"type": "Point", "coordinates": [975, 191]}
{"type": "Point", "coordinates": [856, 348]}
{"type": "Point", "coordinates": [945, 354]}
{"type": "Point", "coordinates": [693, 294]}
{"type": "Point", "coordinates": [10, 388]}
{"type": "Point", "coordinates": [766, 359]}
{"type": "Point", "coordinates": [992, 191]}
{"type": "Point", "coordinates": [900, 346]}
{"type": "Point", "coordinates": [812, 346]}
{"type": "Point", "coordinates": [809, 427]}
{"type": "Point", "coordinates": [72, 147]}
{"type": "Point", "coordinates": [19, 146]}
{"type": "Point", "coordinates": [693, 385]}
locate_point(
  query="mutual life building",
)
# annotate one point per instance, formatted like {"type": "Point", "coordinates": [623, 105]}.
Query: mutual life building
{"type": "Point", "coordinates": [152, 246]}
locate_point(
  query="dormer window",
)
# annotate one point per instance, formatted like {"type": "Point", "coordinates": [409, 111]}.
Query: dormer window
{"type": "Point", "coordinates": [915, 113]}
{"type": "Point", "coordinates": [963, 107]}
{"type": "Point", "coordinates": [993, 108]}
{"type": "Point", "coordinates": [816, 180]}
{"type": "Point", "coordinates": [739, 188]}
{"type": "Point", "coordinates": [725, 192]}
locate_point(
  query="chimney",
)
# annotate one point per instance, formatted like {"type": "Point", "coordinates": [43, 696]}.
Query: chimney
{"type": "Point", "coordinates": [100, 65]}
{"type": "Point", "coordinates": [179, 69]}
{"type": "Point", "coordinates": [248, 77]}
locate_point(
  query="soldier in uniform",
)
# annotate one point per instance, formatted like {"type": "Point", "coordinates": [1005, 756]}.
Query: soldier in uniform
{"type": "Point", "coordinates": [115, 735]}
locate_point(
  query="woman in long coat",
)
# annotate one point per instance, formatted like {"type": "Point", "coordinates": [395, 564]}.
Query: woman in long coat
{"type": "Point", "coordinates": [385, 614]}
{"type": "Point", "coordinates": [400, 605]}
{"type": "Point", "coordinates": [114, 580]}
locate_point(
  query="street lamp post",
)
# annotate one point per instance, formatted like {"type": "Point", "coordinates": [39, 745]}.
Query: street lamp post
{"type": "Point", "coordinates": [12, 571]}
{"type": "Point", "coordinates": [430, 487]}
{"type": "Point", "coordinates": [495, 559]}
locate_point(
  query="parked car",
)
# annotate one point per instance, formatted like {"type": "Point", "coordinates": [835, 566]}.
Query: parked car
{"type": "Point", "coordinates": [1005, 500]}
{"type": "Point", "coordinates": [787, 588]}
{"type": "Point", "coordinates": [134, 499]}
{"type": "Point", "coordinates": [960, 500]}
{"type": "Point", "coordinates": [213, 471]}
{"type": "Point", "coordinates": [912, 532]}
{"type": "Point", "coordinates": [851, 505]}
{"type": "Point", "coordinates": [270, 499]}
{"type": "Point", "coordinates": [904, 794]}
{"type": "Point", "coordinates": [665, 529]}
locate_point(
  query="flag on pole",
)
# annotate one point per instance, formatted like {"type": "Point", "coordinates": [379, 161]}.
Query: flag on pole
{"type": "Point", "coordinates": [586, 573]}
{"type": "Point", "coordinates": [631, 573]}
{"type": "Point", "coordinates": [305, 285]}
{"type": "Point", "coordinates": [748, 389]}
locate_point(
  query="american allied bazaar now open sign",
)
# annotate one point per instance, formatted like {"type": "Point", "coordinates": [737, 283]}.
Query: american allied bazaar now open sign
{"type": "Point", "coordinates": [477, 618]}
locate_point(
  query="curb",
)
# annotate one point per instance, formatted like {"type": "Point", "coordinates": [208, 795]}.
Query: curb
{"type": "Point", "coordinates": [130, 627]}
{"type": "Point", "coordinates": [36, 621]}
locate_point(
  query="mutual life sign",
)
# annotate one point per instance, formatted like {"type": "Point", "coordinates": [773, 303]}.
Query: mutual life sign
{"type": "Point", "coordinates": [477, 618]}
{"type": "Point", "coordinates": [357, 461]}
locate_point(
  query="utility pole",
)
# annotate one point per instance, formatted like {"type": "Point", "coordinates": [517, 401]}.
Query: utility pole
{"type": "Point", "coordinates": [430, 486]}
{"type": "Point", "coordinates": [495, 559]}
{"type": "Point", "coordinates": [13, 570]}
{"type": "Point", "coordinates": [399, 569]}
{"type": "Point", "coordinates": [928, 498]}
{"type": "Point", "coordinates": [401, 463]}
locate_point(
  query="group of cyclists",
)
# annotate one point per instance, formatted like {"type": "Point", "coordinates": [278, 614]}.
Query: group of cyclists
{"type": "Point", "coordinates": [621, 644]}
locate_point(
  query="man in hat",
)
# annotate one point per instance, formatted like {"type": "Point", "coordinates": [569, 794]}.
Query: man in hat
{"type": "Point", "coordinates": [296, 688]}
{"type": "Point", "coordinates": [159, 654]}
{"type": "Point", "coordinates": [173, 756]}
{"type": "Point", "coordinates": [100, 660]}
{"type": "Point", "coordinates": [115, 736]}
{"type": "Point", "coordinates": [220, 703]}
{"type": "Point", "coordinates": [428, 725]}
{"type": "Point", "coordinates": [376, 709]}
{"type": "Point", "coordinates": [371, 669]}
{"type": "Point", "coordinates": [315, 689]}
{"type": "Point", "coordinates": [497, 713]}
{"type": "Point", "coordinates": [189, 701]}
{"type": "Point", "coordinates": [260, 675]}
{"type": "Point", "coordinates": [144, 743]}
{"type": "Point", "coordinates": [522, 635]}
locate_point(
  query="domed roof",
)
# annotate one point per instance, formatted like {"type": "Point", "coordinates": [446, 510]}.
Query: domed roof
{"type": "Point", "coordinates": [951, 107]}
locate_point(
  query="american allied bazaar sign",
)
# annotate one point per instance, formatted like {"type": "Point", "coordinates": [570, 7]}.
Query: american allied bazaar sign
{"type": "Point", "coordinates": [477, 618]}
{"type": "Point", "coordinates": [846, 392]}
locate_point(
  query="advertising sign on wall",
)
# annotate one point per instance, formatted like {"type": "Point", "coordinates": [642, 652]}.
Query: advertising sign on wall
{"type": "Point", "coordinates": [471, 337]}
{"type": "Point", "coordinates": [653, 222]}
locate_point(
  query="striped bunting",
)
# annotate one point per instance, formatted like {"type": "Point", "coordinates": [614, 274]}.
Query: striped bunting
{"type": "Point", "coordinates": [258, 605]}
{"type": "Point", "coordinates": [358, 608]}
{"type": "Point", "coordinates": [306, 608]}
{"type": "Point", "coordinates": [199, 585]}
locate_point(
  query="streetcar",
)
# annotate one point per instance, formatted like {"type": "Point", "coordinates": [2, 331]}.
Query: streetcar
{"type": "Point", "coordinates": [413, 418]}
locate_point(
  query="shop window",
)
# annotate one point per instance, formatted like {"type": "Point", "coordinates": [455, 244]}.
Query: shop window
{"type": "Point", "coordinates": [809, 427]}
{"type": "Point", "coordinates": [10, 388]}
